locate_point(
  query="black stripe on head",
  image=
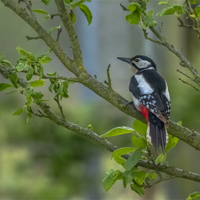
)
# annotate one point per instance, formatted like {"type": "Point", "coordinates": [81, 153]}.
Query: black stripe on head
{"type": "Point", "coordinates": [153, 64]}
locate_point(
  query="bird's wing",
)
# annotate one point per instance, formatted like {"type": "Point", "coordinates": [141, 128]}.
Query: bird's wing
{"type": "Point", "coordinates": [147, 97]}
{"type": "Point", "coordinates": [154, 104]}
{"type": "Point", "coordinates": [165, 98]}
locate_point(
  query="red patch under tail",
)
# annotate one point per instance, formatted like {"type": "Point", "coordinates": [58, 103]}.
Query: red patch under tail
{"type": "Point", "coordinates": [145, 113]}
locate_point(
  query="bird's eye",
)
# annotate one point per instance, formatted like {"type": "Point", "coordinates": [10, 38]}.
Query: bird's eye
{"type": "Point", "coordinates": [137, 60]}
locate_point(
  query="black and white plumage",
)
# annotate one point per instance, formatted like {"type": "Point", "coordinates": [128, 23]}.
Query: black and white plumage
{"type": "Point", "coordinates": [150, 97]}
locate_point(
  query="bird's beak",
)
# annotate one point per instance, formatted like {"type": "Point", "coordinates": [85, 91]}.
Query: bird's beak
{"type": "Point", "coordinates": [128, 60]}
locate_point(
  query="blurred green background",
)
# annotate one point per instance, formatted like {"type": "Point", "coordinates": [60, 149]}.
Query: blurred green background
{"type": "Point", "coordinates": [41, 160]}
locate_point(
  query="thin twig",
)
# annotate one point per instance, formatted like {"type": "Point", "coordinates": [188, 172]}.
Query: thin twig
{"type": "Point", "coordinates": [184, 25]}
{"type": "Point", "coordinates": [58, 35]}
{"type": "Point", "coordinates": [150, 184]}
{"type": "Point", "coordinates": [73, 79]}
{"type": "Point", "coordinates": [53, 15]}
{"type": "Point", "coordinates": [108, 77]}
{"type": "Point", "coordinates": [186, 76]}
{"type": "Point", "coordinates": [60, 107]}
{"type": "Point", "coordinates": [189, 84]}
{"type": "Point", "coordinates": [39, 114]}
{"type": "Point", "coordinates": [194, 18]}
{"type": "Point", "coordinates": [32, 38]}
{"type": "Point", "coordinates": [177, 53]}
{"type": "Point", "coordinates": [123, 7]}
{"type": "Point", "coordinates": [152, 40]}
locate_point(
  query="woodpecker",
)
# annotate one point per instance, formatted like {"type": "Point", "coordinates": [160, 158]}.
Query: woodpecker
{"type": "Point", "coordinates": [150, 97]}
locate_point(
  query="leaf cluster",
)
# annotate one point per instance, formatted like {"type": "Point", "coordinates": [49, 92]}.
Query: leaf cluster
{"type": "Point", "coordinates": [58, 86]}
{"type": "Point", "coordinates": [70, 6]}
{"type": "Point", "coordinates": [140, 14]}
{"type": "Point", "coordinates": [137, 178]}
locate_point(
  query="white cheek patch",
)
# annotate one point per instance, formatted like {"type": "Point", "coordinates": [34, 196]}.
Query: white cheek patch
{"type": "Point", "coordinates": [143, 85]}
{"type": "Point", "coordinates": [143, 63]}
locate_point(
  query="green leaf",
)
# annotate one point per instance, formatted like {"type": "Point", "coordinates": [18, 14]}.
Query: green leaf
{"type": "Point", "coordinates": [90, 127]}
{"type": "Point", "coordinates": [52, 74]}
{"type": "Point", "coordinates": [21, 64]}
{"type": "Point", "coordinates": [50, 32]}
{"type": "Point", "coordinates": [37, 96]}
{"type": "Point", "coordinates": [30, 56]}
{"type": "Point", "coordinates": [179, 9]}
{"type": "Point", "coordinates": [172, 142]}
{"type": "Point", "coordinates": [28, 92]}
{"type": "Point", "coordinates": [166, 11]}
{"type": "Point", "coordinates": [118, 131]}
{"type": "Point", "coordinates": [30, 73]}
{"type": "Point", "coordinates": [139, 142]}
{"type": "Point", "coordinates": [4, 86]}
{"type": "Point", "coordinates": [46, 2]}
{"type": "Point", "coordinates": [179, 123]}
{"type": "Point", "coordinates": [65, 88]}
{"type": "Point", "coordinates": [111, 178]}
{"type": "Point", "coordinates": [121, 151]}
{"type": "Point", "coordinates": [2, 57]}
{"type": "Point", "coordinates": [37, 83]}
{"type": "Point", "coordinates": [135, 15]}
{"type": "Point", "coordinates": [197, 11]}
{"type": "Point", "coordinates": [67, 1]}
{"type": "Point", "coordinates": [139, 190]}
{"type": "Point", "coordinates": [13, 78]}
{"type": "Point", "coordinates": [134, 6]}
{"type": "Point", "coordinates": [128, 177]}
{"type": "Point", "coordinates": [21, 51]}
{"type": "Point", "coordinates": [194, 195]}
{"type": "Point", "coordinates": [77, 3]}
{"type": "Point", "coordinates": [19, 111]}
{"type": "Point", "coordinates": [86, 12]}
{"type": "Point", "coordinates": [40, 11]}
{"type": "Point", "coordinates": [151, 175]}
{"type": "Point", "coordinates": [193, 1]}
{"type": "Point", "coordinates": [72, 17]}
{"type": "Point", "coordinates": [163, 3]}
{"type": "Point", "coordinates": [40, 70]}
{"type": "Point", "coordinates": [161, 158]}
{"type": "Point", "coordinates": [148, 20]}
{"type": "Point", "coordinates": [133, 159]}
{"type": "Point", "coordinates": [140, 177]}
{"type": "Point", "coordinates": [44, 59]}
{"type": "Point", "coordinates": [6, 62]}
{"type": "Point", "coordinates": [133, 18]}
{"type": "Point", "coordinates": [29, 113]}
{"type": "Point", "coordinates": [140, 127]}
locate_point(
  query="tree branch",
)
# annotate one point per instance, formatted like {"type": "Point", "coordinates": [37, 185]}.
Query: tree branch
{"type": "Point", "coordinates": [48, 113]}
{"type": "Point", "coordinates": [190, 137]}
{"type": "Point", "coordinates": [177, 53]}
{"type": "Point", "coordinates": [172, 171]}
{"type": "Point", "coordinates": [73, 79]}
{"type": "Point", "coordinates": [70, 30]}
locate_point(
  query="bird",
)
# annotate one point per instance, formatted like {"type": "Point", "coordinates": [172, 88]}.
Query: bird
{"type": "Point", "coordinates": [151, 98]}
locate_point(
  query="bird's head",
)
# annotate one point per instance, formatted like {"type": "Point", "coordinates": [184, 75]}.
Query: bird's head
{"type": "Point", "coordinates": [139, 63]}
